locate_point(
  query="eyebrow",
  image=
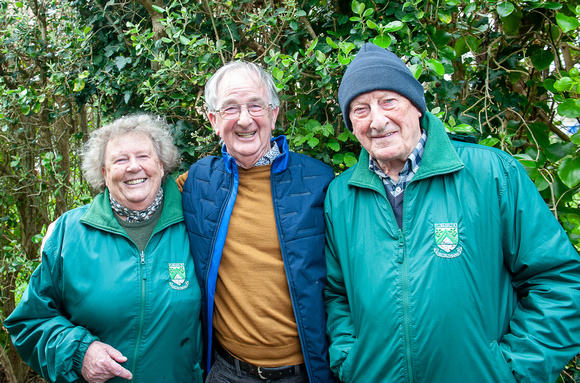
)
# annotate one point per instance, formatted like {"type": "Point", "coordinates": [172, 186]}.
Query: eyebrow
{"type": "Point", "coordinates": [231, 101]}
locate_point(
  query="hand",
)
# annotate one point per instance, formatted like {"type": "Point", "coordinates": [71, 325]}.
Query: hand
{"type": "Point", "coordinates": [100, 363]}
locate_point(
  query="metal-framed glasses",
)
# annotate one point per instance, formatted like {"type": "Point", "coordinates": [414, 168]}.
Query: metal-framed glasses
{"type": "Point", "coordinates": [233, 111]}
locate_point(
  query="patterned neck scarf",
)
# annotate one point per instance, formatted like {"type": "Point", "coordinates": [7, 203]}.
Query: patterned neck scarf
{"type": "Point", "coordinates": [269, 157]}
{"type": "Point", "coordinates": [137, 215]}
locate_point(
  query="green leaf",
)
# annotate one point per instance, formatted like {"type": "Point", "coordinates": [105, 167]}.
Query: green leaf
{"type": "Point", "coordinates": [320, 56]}
{"type": "Point", "coordinates": [525, 160]}
{"type": "Point", "coordinates": [542, 59]}
{"type": "Point", "coordinates": [158, 9]}
{"type": "Point", "coordinates": [330, 42]}
{"type": "Point", "coordinates": [564, 84]}
{"type": "Point", "coordinates": [18, 4]}
{"type": "Point", "coordinates": [184, 40]}
{"type": "Point", "coordinates": [121, 62]}
{"type": "Point", "coordinates": [436, 66]}
{"type": "Point", "coordinates": [25, 109]}
{"type": "Point", "coordinates": [333, 145]}
{"type": "Point", "coordinates": [471, 7]}
{"type": "Point", "coordinates": [489, 141]}
{"type": "Point", "coordinates": [504, 9]}
{"type": "Point", "coordinates": [567, 23]}
{"type": "Point", "coordinates": [350, 159]}
{"type": "Point", "coordinates": [416, 69]}
{"type": "Point", "coordinates": [444, 16]}
{"type": "Point", "coordinates": [575, 138]}
{"type": "Point", "coordinates": [569, 108]}
{"type": "Point", "coordinates": [313, 142]}
{"type": "Point", "coordinates": [382, 41]}
{"type": "Point", "coordinates": [371, 24]}
{"type": "Point", "coordinates": [393, 26]}
{"type": "Point", "coordinates": [78, 85]}
{"type": "Point", "coordinates": [569, 171]}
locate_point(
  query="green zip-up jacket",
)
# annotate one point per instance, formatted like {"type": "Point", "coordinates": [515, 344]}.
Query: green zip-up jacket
{"type": "Point", "coordinates": [95, 284]}
{"type": "Point", "coordinates": [481, 284]}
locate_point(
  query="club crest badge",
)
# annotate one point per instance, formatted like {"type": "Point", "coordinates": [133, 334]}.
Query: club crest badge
{"type": "Point", "coordinates": [447, 240]}
{"type": "Point", "coordinates": [178, 277]}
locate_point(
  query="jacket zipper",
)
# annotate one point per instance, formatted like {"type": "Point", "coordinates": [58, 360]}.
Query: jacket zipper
{"type": "Point", "coordinates": [406, 315]}
{"type": "Point", "coordinates": [142, 314]}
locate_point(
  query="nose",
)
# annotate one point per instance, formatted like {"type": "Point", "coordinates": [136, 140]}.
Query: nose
{"type": "Point", "coordinates": [245, 118]}
{"type": "Point", "coordinates": [133, 165]}
{"type": "Point", "coordinates": [379, 118]}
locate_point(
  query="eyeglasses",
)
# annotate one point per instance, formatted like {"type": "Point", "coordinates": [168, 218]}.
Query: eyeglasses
{"type": "Point", "coordinates": [256, 109]}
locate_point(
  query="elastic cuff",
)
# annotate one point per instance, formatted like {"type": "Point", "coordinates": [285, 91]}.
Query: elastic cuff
{"type": "Point", "coordinates": [79, 354]}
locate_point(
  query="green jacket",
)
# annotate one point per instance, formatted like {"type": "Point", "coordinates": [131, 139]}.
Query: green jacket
{"type": "Point", "coordinates": [95, 284]}
{"type": "Point", "coordinates": [481, 284]}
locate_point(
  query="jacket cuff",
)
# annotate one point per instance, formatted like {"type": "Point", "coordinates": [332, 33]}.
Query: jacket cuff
{"type": "Point", "coordinates": [79, 354]}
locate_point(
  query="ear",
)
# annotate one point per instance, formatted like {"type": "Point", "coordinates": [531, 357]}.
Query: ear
{"type": "Point", "coordinates": [212, 117]}
{"type": "Point", "coordinates": [104, 171]}
{"type": "Point", "coordinates": [275, 112]}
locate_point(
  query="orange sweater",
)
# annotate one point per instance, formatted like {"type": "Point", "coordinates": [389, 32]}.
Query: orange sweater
{"type": "Point", "coordinates": [253, 317]}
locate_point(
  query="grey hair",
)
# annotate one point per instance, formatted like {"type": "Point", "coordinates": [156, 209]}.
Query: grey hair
{"type": "Point", "coordinates": [265, 78]}
{"type": "Point", "coordinates": [154, 127]}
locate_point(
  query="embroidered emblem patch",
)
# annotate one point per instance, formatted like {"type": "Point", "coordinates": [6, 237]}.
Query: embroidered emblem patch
{"type": "Point", "coordinates": [447, 240]}
{"type": "Point", "coordinates": [177, 275]}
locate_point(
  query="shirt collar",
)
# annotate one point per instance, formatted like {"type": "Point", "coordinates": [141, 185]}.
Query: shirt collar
{"type": "Point", "coordinates": [407, 173]}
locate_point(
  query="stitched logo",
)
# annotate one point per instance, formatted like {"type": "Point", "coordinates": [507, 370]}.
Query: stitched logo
{"type": "Point", "coordinates": [447, 240]}
{"type": "Point", "coordinates": [177, 275]}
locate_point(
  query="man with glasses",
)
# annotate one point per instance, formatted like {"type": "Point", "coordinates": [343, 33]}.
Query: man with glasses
{"type": "Point", "coordinates": [256, 225]}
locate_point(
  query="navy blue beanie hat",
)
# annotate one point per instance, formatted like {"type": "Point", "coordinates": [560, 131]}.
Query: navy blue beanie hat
{"type": "Point", "coordinates": [375, 68]}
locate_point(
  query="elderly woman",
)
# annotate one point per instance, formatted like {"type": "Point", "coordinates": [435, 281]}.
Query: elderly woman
{"type": "Point", "coordinates": [116, 296]}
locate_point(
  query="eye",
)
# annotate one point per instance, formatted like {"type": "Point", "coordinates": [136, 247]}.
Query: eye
{"type": "Point", "coordinates": [231, 110]}
{"type": "Point", "coordinates": [388, 103]}
{"type": "Point", "coordinates": [120, 160]}
{"type": "Point", "coordinates": [255, 107]}
{"type": "Point", "coordinates": [360, 111]}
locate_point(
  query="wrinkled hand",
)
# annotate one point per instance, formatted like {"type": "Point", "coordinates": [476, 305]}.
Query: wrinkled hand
{"type": "Point", "coordinates": [100, 363]}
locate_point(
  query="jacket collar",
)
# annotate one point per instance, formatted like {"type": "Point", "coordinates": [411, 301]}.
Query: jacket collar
{"type": "Point", "coordinates": [99, 213]}
{"type": "Point", "coordinates": [280, 163]}
{"type": "Point", "coordinates": [439, 157]}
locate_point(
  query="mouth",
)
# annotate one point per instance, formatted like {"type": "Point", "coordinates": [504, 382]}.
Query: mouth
{"type": "Point", "coordinates": [386, 135]}
{"type": "Point", "coordinates": [246, 135]}
{"type": "Point", "coordinates": [136, 182]}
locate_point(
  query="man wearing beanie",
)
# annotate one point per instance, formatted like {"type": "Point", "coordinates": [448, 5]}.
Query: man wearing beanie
{"type": "Point", "coordinates": [444, 263]}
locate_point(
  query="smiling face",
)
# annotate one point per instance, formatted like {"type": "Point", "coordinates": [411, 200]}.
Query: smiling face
{"type": "Point", "coordinates": [132, 170]}
{"type": "Point", "coordinates": [246, 138]}
{"type": "Point", "coordinates": [387, 125]}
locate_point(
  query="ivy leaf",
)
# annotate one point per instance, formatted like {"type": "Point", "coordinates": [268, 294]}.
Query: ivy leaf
{"type": "Point", "coordinates": [569, 171]}
{"type": "Point", "coordinates": [504, 9]}
{"type": "Point", "coordinates": [567, 23]}
{"type": "Point", "coordinates": [542, 59]}
{"type": "Point", "coordinates": [121, 61]}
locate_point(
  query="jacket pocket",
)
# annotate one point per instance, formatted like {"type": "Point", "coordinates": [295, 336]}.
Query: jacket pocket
{"type": "Point", "coordinates": [347, 364]}
{"type": "Point", "coordinates": [503, 368]}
